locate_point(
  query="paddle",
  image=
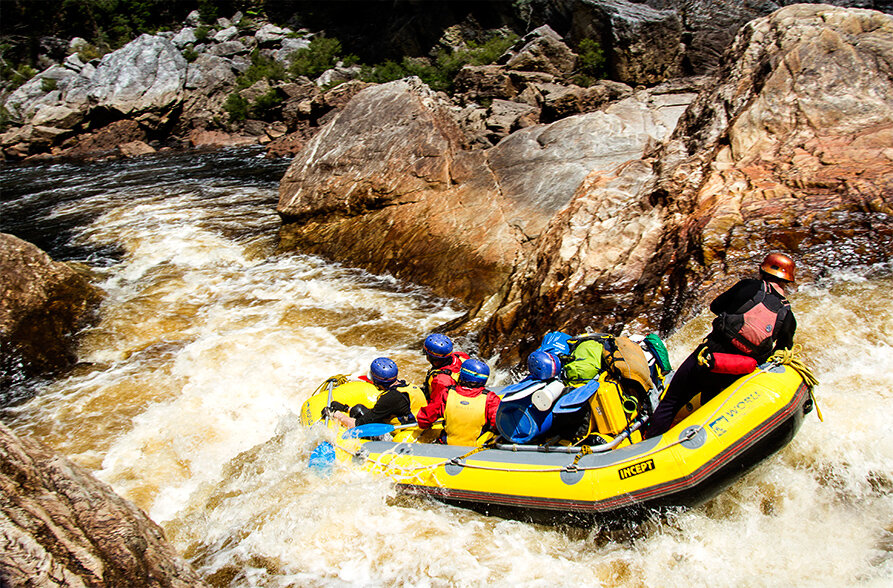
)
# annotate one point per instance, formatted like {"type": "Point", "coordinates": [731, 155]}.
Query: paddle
{"type": "Point", "coordinates": [376, 430]}
{"type": "Point", "coordinates": [331, 384]}
{"type": "Point", "coordinates": [508, 388]}
{"type": "Point", "coordinates": [574, 399]}
{"type": "Point", "coordinates": [323, 456]}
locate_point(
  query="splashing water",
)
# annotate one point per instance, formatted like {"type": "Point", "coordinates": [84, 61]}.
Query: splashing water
{"type": "Point", "coordinates": [188, 389]}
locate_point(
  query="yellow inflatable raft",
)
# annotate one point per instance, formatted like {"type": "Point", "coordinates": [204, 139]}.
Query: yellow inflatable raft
{"type": "Point", "coordinates": [701, 455]}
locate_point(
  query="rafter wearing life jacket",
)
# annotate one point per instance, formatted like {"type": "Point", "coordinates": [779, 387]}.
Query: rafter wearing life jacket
{"type": "Point", "coordinates": [450, 370]}
{"type": "Point", "coordinates": [753, 328]}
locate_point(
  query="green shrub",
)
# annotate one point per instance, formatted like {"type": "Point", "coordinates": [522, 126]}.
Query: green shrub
{"type": "Point", "coordinates": [48, 84]}
{"type": "Point", "coordinates": [267, 106]}
{"type": "Point", "coordinates": [5, 119]}
{"type": "Point", "coordinates": [207, 11]}
{"type": "Point", "coordinates": [18, 76]}
{"type": "Point", "coordinates": [190, 54]}
{"type": "Point", "coordinates": [261, 68]}
{"type": "Point", "coordinates": [322, 54]}
{"type": "Point", "coordinates": [487, 52]}
{"type": "Point", "coordinates": [591, 62]}
{"type": "Point", "coordinates": [440, 75]}
{"type": "Point", "coordinates": [236, 107]}
{"type": "Point", "coordinates": [89, 53]}
{"type": "Point", "coordinates": [202, 33]}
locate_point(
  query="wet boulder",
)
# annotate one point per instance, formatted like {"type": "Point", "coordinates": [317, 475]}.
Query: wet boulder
{"type": "Point", "coordinates": [60, 526]}
{"type": "Point", "coordinates": [388, 185]}
{"type": "Point", "coordinates": [46, 89]}
{"type": "Point", "coordinates": [541, 50]}
{"type": "Point", "coordinates": [42, 306]}
{"type": "Point", "coordinates": [710, 27]}
{"type": "Point", "coordinates": [541, 167]}
{"type": "Point", "coordinates": [482, 82]}
{"type": "Point", "coordinates": [791, 150]}
{"type": "Point", "coordinates": [644, 45]}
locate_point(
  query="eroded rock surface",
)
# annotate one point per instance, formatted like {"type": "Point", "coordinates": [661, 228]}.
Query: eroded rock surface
{"type": "Point", "coordinates": [789, 151]}
{"type": "Point", "coordinates": [387, 185]}
{"type": "Point", "coordinates": [60, 526]}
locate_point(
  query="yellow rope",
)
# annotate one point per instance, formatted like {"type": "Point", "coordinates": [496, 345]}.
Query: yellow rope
{"type": "Point", "coordinates": [338, 380]}
{"type": "Point", "coordinates": [792, 358]}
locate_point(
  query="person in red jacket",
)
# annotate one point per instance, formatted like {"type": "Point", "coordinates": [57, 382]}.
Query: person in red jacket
{"type": "Point", "coordinates": [468, 408]}
{"type": "Point", "coordinates": [445, 365]}
{"type": "Point", "coordinates": [754, 319]}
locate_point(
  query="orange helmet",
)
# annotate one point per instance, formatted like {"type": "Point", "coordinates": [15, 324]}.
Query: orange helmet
{"type": "Point", "coordinates": [779, 265]}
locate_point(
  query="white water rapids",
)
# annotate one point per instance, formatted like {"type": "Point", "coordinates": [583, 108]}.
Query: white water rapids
{"type": "Point", "coordinates": [188, 390]}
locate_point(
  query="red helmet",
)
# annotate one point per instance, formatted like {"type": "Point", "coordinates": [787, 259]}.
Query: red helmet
{"type": "Point", "coordinates": [779, 265]}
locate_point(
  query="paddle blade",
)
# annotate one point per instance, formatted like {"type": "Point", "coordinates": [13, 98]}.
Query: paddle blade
{"type": "Point", "coordinates": [573, 400]}
{"type": "Point", "coordinates": [322, 457]}
{"type": "Point", "coordinates": [370, 430]}
{"type": "Point", "coordinates": [521, 392]}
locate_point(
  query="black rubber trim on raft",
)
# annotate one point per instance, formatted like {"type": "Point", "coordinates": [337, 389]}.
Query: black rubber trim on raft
{"type": "Point", "coordinates": [705, 483]}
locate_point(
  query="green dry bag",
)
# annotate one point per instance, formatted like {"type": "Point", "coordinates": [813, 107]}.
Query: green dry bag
{"type": "Point", "coordinates": [586, 363]}
{"type": "Point", "coordinates": [659, 351]}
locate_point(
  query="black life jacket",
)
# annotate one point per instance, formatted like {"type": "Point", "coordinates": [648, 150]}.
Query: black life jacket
{"type": "Point", "coordinates": [752, 329]}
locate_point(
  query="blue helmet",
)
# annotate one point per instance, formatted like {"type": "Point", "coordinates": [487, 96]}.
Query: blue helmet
{"type": "Point", "coordinates": [438, 347]}
{"type": "Point", "coordinates": [543, 365]}
{"type": "Point", "coordinates": [474, 373]}
{"type": "Point", "coordinates": [383, 371]}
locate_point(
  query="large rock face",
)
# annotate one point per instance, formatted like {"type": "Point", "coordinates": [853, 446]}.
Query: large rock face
{"type": "Point", "coordinates": [791, 150]}
{"type": "Point", "coordinates": [42, 303]}
{"type": "Point", "coordinates": [387, 186]}
{"type": "Point", "coordinates": [60, 526]}
{"type": "Point", "coordinates": [147, 74]}
{"type": "Point", "coordinates": [645, 44]}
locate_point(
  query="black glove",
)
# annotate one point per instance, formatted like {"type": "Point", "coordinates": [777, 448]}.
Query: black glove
{"type": "Point", "coordinates": [335, 406]}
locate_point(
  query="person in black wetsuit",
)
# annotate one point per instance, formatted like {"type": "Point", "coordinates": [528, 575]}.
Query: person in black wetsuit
{"type": "Point", "coordinates": [753, 319]}
{"type": "Point", "coordinates": [393, 404]}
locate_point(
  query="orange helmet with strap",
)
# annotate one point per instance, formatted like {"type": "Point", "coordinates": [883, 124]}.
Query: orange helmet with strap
{"type": "Point", "coordinates": [779, 265]}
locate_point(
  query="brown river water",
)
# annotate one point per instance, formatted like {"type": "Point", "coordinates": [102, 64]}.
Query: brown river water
{"type": "Point", "coordinates": [187, 395]}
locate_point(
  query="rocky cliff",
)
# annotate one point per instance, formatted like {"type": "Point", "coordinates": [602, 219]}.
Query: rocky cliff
{"type": "Point", "coordinates": [228, 83]}
{"type": "Point", "coordinates": [789, 150]}
{"type": "Point", "coordinates": [388, 185]}
{"type": "Point", "coordinates": [618, 217]}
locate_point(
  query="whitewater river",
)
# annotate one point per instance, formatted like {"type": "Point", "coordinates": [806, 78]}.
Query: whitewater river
{"type": "Point", "coordinates": [187, 395]}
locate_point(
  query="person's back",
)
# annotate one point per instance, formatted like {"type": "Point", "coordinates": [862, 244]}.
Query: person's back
{"type": "Point", "coordinates": [445, 364]}
{"type": "Point", "coordinates": [394, 403]}
{"type": "Point", "coordinates": [754, 319]}
{"type": "Point", "coordinates": [444, 372]}
{"type": "Point", "coordinates": [467, 407]}
{"type": "Point", "coordinates": [465, 414]}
